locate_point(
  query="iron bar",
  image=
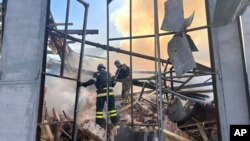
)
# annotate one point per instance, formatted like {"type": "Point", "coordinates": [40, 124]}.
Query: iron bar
{"type": "Point", "coordinates": [182, 96]}
{"type": "Point", "coordinates": [160, 34]}
{"type": "Point", "coordinates": [142, 124]}
{"type": "Point", "coordinates": [171, 82]}
{"type": "Point", "coordinates": [131, 59]}
{"type": "Point", "coordinates": [118, 50]}
{"type": "Point", "coordinates": [176, 81]}
{"type": "Point", "coordinates": [60, 24]}
{"type": "Point", "coordinates": [42, 82]}
{"type": "Point", "coordinates": [158, 64]}
{"type": "Point", "coordinates": [165, 80]}
{"type": "Point", "coordinates": [167, 90]}
{"type": "Point", "coordinates": [171, 78]}
{"type": "Point", "coordinates": [149, 101]}
{"type": "Point", "coordinates": [65, 38]}
{"type": "Point", "coordinates": [142, 91]}
{"type": "Point", "coordinates": [207, 80]}
{"type": "Point", "coordinates": [183, 84]}
{"type": "Point", "coordinates": [197, 85]}
{"type": "Point", "coordinates": [3, 12]}
{"type": "Point", "coordinates": [197, 91]}
{"type": "Point", "coordinates": [79, 31]}
{"type": "Point", "coordinates": [55, 122]}
{"type": "Point", "coordinates": [107, 97]}
{"type": "Point", "coordinates": [212, 61]}
{"type": "Point", "coordinates": [58, 76]}
{"type": "Point", "coordinates": [75, 126]}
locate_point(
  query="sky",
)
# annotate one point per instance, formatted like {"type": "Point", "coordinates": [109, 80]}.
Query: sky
{"type": "Point", "coordinates": [142, 25]}
{"type": "Point", "coordinates": [142, 22]}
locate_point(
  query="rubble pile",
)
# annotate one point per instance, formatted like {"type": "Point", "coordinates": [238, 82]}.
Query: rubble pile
{"type": "Point", "coordinates": [59, 126]}
{"type": "Point", "coordinates": [145, 121]}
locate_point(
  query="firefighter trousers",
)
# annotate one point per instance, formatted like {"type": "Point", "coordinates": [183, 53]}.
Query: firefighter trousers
{"type": "Point", "coordinates": [111, 110]}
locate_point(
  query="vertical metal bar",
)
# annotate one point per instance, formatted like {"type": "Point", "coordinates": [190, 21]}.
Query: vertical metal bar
{"type": "Point", "coordinates": [171, 82]}
{"type": "Point", "coordinates": [165, 80]}
{"type": "Point", "coordinates": [171, 76]}
{"type": "Point", "coordinates": [4, 9]}
{"type": "Point", "coordinates": [158, 64]}
{"type": "Point", "coordinates": [131, 60]}
{"type": "Point", "coordinates": [107, 97]}
{"type": "Point", "coordinates": [56, 132]}
{"type": "Point", "coordinates": [41, 96]}
{"type": "Point", "coordinates": [75, 127]}
{"type": "Point", "coordinates": [142, 91]}
{"type": "Point", "coordinates": [65, 38]}
{"type": "Point", "coordinates": [211, 53]}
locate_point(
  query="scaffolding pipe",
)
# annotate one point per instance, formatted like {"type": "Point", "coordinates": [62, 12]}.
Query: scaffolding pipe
{"type": "Point", "coordinates": [118, 50]}
{"type": "Point", "coordinates": [107, 97]}
{"type": "Point", "coordinates": [65, 38]}
{"type": "Point", "coordinates": [75, 127]}
{"type": "Point", "coordinates": [131, 60]}
{"type": "Point", "coordinates": [161, 34]}
{"type": "Point", "coordinates": [158, 69]}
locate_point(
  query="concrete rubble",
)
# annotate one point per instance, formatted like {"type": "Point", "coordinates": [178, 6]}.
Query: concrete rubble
{"type": "Point", "coordinates": [144, 120]}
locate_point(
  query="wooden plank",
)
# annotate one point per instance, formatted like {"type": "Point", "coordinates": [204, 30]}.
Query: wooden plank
{"type": "Point", "coordinates": [174, 136]}
{"type": "Point", "coordinates": [195, 124]}
{"type": "Point", "coordinates": [203, 134]}
{"type": "Point", "coordinates": [56, 115]}
{"type": "Point", "coordinates": [48, 131]}
{"type": "Point", "coordinates": [66, 133]}
{"type": "Point", "coordinates": [128, 106]}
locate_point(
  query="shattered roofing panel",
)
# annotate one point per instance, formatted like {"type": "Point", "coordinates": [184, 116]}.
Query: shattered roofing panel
{"type": "Point", "coordinates": [174, 16]}
{"type": "Point", "coordinates": [180, 55]}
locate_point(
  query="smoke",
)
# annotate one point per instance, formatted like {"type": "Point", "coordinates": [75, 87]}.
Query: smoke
{"type": "Point", "coordinates": [61, 92]}
{"type": "Point", "coordinates": [143, 24]}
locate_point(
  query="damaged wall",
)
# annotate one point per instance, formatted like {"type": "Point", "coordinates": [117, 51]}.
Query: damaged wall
{"type": "Point", "coordinates": [21, 67]}
{"type": "Point", "coordinates": [230, 78]}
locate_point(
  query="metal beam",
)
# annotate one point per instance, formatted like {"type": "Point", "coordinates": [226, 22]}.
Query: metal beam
{"type": "Point", "coordinates": [229, 79]}
{"type": "Point", "coordinates": [118, 50]}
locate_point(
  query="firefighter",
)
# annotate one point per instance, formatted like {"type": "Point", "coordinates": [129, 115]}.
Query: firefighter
{"type": "Point", "coordinates": [100, 81]}
{"type": "Point", "coordinates": [122, 73]}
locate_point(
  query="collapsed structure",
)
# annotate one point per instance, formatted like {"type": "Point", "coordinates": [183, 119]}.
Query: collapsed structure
{"type": "Point", "coordinates": [167, 107]}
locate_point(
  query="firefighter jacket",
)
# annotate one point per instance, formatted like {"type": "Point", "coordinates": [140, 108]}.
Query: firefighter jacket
{"type": "Point", "coordinates": [100, 80]}
{"type": "Point", "coordinates": [122, 72]}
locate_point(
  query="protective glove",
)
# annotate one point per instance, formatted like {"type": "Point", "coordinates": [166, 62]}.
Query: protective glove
{"type": "Point", "coordinates": [84, 84]}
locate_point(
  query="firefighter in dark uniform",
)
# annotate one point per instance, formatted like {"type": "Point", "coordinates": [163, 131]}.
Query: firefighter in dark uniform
{"type": "Point", "coordinates": [122, 73]}
{"type": "Point", "coordinates": [100, 81]}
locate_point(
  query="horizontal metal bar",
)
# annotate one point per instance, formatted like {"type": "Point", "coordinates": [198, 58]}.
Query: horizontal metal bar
{"type": "Point", "coordinates": [85, 4]}
{"type": "Point", "coordinates": [118, 50]}
{"type": "Point", "coordinates": [54, 122]}
{"type": "Point", "coordinates": [141, 124]}
{"type": "Point", "coordinates": [161, 34]}
{"type": "Point", "coordinates": [196, 91]}
{"type": "Point", "coordinates": [197, 85]}
{"type": "Point", "coordinates": [58, 76]}
{"type": "Point", "coordinates": [60, 24]}
{"type": "Point", "coordinates": [79, 31]}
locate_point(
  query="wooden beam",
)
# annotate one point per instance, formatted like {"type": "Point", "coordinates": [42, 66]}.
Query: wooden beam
{"type": "Point", "coordinates": [128, 106]}
{"type": "Point", "coordinates": [195, 124]}
{"type": "Point", "coordinates": [203, 134]}
{"type": "Point", "coordinates": [56, 115]}
{"type": "Point", "coordinates": [174, 136]}
{"type": "Point", "coordinates": [48, 131]}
